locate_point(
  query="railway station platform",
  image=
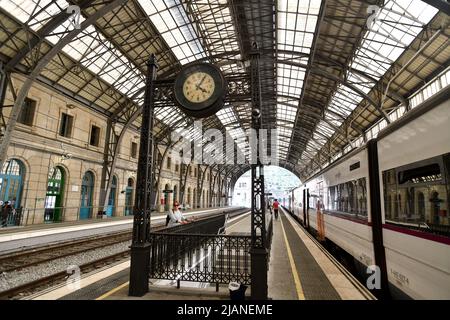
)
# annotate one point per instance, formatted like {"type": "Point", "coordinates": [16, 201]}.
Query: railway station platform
{"type": "Point", "coordinates": [15, 238]}
{"type": "Point", "coordinates": [299, 269]}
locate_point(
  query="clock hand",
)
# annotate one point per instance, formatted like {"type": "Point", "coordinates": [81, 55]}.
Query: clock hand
{"type": "Point", "coordinates": [200, 88]}
{"type": "Point", "coordinates": [200, 83]}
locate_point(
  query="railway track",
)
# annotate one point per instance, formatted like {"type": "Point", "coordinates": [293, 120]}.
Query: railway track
{"type": "Point", "coordinates": [51, 280]}
{"type": "Point", "coordinates": [35, 256]}
{"type": "Point", "coordinates": [29, 258]}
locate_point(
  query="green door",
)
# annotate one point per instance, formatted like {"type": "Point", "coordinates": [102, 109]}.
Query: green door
{"type": "Point", "coordinates": [54, 196]}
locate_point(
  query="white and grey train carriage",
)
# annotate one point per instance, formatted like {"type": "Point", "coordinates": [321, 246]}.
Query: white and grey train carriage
{"type": "Point", "coordinates": [387, 203]}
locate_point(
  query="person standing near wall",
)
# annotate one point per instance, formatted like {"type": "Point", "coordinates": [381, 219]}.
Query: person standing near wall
{"type": "Point", "coordinates": [3, 217]}
{"type": "Point", "coordinates": [6, 210]}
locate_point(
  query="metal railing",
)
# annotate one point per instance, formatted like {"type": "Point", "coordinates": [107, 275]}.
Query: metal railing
{"type": "Point", "coordinates": [61, 214]}
{"type": "Point", "coordinates": [11, 218]}
{"type": "Point", "coordinates": [217, 259]}
{"type": "Point", "coordinates": [196, 252]}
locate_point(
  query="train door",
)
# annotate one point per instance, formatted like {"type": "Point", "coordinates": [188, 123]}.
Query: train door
{"type": "Point", "coordinates": [305, 207]}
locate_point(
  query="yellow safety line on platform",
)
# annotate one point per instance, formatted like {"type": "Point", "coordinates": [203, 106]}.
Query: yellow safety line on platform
{"type": "Point", "coordinates": [298, 284]}
{"type": "Point", "coordinates": [112, 291]}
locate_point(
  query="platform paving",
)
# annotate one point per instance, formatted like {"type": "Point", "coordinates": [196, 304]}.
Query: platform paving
{"type": "Point", "coordinates": [299, 269]}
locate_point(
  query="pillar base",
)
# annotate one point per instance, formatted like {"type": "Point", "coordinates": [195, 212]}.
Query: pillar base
{"type": "Point", "coordinates": [139, 269]}
{"type": "Point", "coordinates": [259, 257]}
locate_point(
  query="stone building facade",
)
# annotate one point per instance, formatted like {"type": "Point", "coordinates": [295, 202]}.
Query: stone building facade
{"type": "Point", "coordinates": [56, 161]}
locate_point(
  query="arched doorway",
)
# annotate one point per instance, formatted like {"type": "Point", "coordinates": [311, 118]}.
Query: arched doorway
{"type": "Point", "coordinates": [175, 193]}
{"type": "Point", "coordinates": [54, 196]}
{"type": "Point", "coordinates": [110, 210]}
{"type": "Point", "coordinates": [194, 199]}
{"type": "Point", "coordinates": [129, 197]}
{"type": "Point", "coordinates": [11, 185]}
{"type": "Point", "coordinates": [11, 182]}
{"type": "Point", "coordinates": [166, 198]}
{"type": "Point", "coordinates": [189, 197]}
{"type": "Point", "coordinates": [87, 192]}
{"type": "Point", "coordinates": [203, 199]}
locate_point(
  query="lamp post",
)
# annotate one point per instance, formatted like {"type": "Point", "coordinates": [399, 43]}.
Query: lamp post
{"type": "Point", "coordinates": [140, 247]}
{"type": "Point", "coordinates": [258, 249]}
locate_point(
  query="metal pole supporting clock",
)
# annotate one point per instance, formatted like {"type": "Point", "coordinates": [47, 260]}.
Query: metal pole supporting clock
{"type": "Point", "coordinates": [140, 247]}
{"type": "Point", "coordinates": [258, 249]}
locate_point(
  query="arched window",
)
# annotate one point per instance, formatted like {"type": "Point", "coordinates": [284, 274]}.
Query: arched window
{"type": "Point", "coordinates": [175, 193]}
{"type": "Point", "coordinates": [189, 197]}
{"type": "Point", "coordinates": [166, 198]}
{"type": "Point", "coordinates": [194, 200]}
{"type": "Point", "coordinates": [435, 207]}
{"type": "Point", "coordinates": [54, 196]}
{"type": "Point", "coordinates": [87, 192]}
{"type": "Point", "coordinates": [111, 209]}
{"type": "Point", "coordinates": [129, 192]}
{"type": "Point", "coordinates": [11, 182]}
{"type": "Point", "coordinates": [389, 207]}
{"type": "Point", "coordinates": [203, 199]}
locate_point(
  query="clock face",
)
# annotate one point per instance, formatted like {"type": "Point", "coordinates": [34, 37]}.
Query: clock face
{"type": "Point", "coordinates": [198, 87]}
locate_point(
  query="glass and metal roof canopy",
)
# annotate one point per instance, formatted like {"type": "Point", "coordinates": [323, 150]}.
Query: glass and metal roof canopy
{"type": "Point", "coordinates": [323, 65]}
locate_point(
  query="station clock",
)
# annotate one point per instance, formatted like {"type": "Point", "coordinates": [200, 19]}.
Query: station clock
{"type": "Point", "coordinates": [200, 89]}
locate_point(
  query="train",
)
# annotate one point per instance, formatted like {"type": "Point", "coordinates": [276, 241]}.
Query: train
{"type": "Point", "coordinates": [386, 204]}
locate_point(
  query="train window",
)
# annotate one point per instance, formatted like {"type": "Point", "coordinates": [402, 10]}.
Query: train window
{"type": "Point", "coordinates": [348, 198]}
{"type": "Point", "coordinates": [312, 201]}
{"type": "Point", "coordinates": [418, 196]}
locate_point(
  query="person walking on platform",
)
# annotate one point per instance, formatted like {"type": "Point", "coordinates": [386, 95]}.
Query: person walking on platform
{"type": "Point", "coordinates": [275, 207]}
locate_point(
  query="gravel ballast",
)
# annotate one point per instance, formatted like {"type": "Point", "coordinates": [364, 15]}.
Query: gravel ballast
{"type": "Point", "coordinates": [13, 279]}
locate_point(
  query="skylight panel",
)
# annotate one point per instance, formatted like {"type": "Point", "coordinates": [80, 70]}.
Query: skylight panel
{"type": "Point", "coordinates": [23, 10]}
{"type": "Point", "coordinates": [286, 113]}
{"type": "Point", "coordinates": [177, 31]}
{"type": "Point", "coordinates": [296, 23]}
{"type": "Point", "coordinates": [227, 116]}
{"type": "Point", "coordinates": [325, 128]}
{"type": "Point", "coordinates": [397, 25]}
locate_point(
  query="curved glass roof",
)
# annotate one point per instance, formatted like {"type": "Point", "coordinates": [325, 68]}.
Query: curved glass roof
{"type": "Point", "coordinates": [312, 111]}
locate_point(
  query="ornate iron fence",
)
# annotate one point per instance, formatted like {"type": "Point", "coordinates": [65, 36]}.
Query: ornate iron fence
{"type": "Point", "coordinates": [10, 217]}
{"type": "Point", "coordinates": [217, 259]}
{"type": "Point", "coordinates": [196, 252]}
